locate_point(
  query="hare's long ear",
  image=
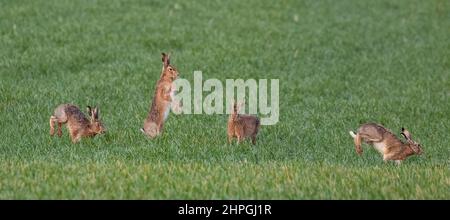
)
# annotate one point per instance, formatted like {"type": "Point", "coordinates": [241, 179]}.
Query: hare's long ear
{"type": "Point", "coordinates": [241, 105]}
{"type": "Point", "coordinates": [165, 60]}
{"type": "Point", "coordinates": [234, 106]}
{"type": "Point", "coordinates": [89, 110]}
{"type": "Point", "coordinates": [406, 134]}
{"type": "Point", "coordinates": [95, 112]}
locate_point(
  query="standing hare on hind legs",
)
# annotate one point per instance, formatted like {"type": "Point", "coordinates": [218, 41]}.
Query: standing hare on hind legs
{"type": "Point", "coordinates": [162, 100]}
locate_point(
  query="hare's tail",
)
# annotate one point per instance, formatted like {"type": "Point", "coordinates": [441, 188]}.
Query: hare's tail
{"type": "Point", "coordinates": [352, 134]}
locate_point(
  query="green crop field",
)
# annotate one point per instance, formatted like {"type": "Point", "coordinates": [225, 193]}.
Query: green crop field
{"type": "Point", "coordinates": [339, 64]}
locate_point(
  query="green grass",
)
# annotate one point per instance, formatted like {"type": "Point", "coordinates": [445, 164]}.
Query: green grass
{"type": "Point", "coordinates": [340, 63]}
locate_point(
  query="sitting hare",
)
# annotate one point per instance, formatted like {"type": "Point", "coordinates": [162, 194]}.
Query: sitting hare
{"type": "Point", "coordinates": [391, 147]}
{"type": "Point", "coordinates": [242, 126]}
{"type": "Point", "coordinates": [79, 126]}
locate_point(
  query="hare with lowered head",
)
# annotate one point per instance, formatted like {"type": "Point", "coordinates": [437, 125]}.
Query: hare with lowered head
{"type": "Point", "coordinates": [79, 126]}
{"type": "Point", "coordinates": [242, 126]}
{"type": "Point", "coordinates": [162, 100]}
{"type": "Point", "coordinates": [391, 147]}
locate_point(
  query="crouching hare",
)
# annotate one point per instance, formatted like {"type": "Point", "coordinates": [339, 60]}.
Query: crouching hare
{"type": "Point", "coordinates": [79, 126]}
{"type": "Point", "coordinates": [242, 126]}
{"type": "Point", "coordinates": [391, 147]}
{"type": "Point", "coordinates": [162, 100]}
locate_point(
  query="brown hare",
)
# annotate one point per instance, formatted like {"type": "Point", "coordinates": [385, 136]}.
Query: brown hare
{"type": "Point", "coordinates": [242, 126]}
{"type": "Point", "coordinates": [79, 126]}
{"type": "Point", "coordinates": [384, 141]}
{"type": "Point", "coordinates": [162, 99]}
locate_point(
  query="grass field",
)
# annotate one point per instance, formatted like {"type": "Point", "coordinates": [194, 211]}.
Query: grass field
{"type": "Point", "coordinates": [340, 63]}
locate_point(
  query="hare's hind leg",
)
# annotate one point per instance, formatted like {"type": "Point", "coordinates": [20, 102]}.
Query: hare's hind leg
{"type": "Point", "coordinates": [254, 139]}
{"type": "Point", "coordinates": [357, 141]}
{"type": "Point", "coordinates": [151, 128]}
{"type": "Point", "coordinates": [239, 139]}
{"type": "Point", "coordinates": [59, 129]}
{"type": "Point", "coordinates": [238, 132]}
{"type": "Point", "coordinates": [53, 119]}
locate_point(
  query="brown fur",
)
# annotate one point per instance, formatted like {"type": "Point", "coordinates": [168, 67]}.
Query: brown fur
{"type": "Point", "coordinates": [79, 126]}
{"type": "Point", "coordinates": [153, 125]}
{"type": "Point", "coordinates": [242, 126]}
{"type": "Point", "coordinates": [389, 145]}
